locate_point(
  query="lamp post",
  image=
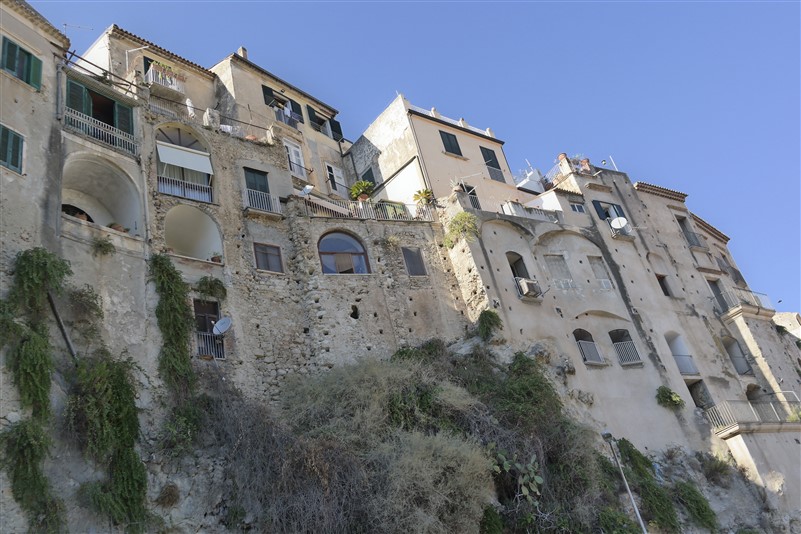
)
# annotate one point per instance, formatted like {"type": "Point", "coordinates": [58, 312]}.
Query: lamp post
{"type": "Point", "coordinates": [609, 438]}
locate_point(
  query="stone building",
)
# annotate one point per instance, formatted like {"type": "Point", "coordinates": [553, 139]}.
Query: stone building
{"type": "Point", "coordinates": [238, 175]}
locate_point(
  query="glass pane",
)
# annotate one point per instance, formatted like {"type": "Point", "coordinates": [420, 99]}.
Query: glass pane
{"type": "Point", "coordinates": [359, 264]}
{"type": "Point", "coordinates": [338, 242]}
{"type": "Point", "coordinates": [329, 263]}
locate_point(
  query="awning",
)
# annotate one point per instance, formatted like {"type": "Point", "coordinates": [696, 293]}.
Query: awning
{"type": "Point", "coordinates": [184, 157]}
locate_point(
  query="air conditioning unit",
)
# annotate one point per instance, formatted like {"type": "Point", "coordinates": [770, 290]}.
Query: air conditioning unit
{"type": "Point", "coordinates": [528, 288]}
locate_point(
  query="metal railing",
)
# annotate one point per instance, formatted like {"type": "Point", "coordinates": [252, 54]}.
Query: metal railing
{"type": "Point", "coordinates": [685, 364]}
{"type": "Point", "coordinates": [184, 189]}
{"type": "Point", "coordinates": [297, 169]}
{"type": "Point", "coordinates": [175, 110]}
{"type": "Point", "coordinates": [382, 211]}
{"type": "Point", "coordinates": [290, 119]}
{"type": "Point", "coordinates": [474, 202]}
{"type": "Point", "coordinates": [259, 200]}
{"type": "Point", "coordinates": [106, 134]}
{"type": "Point", "coordinates": [626, 352]}
{"type": "Point", "coordinates": [165, 79]}
{"type": "Point", "coordinates": [590, 352]}
{"type": "Point", "coordinates": [517, 209]}
{"type": "Point", "coordinates": [693, 239]}
{"type": "Point", "coordinates": [448, 120]}
{"type": "Point", "coordinates": [736, 296]}
{"type": "Point", "coordinates": [495, 173]}
{"type": "Point", "coordinates": [729, 413]}
{"type": "Point", "coordinates": [209, 344]}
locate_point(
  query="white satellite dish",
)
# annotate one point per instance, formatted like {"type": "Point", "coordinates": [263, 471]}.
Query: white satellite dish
{"type": "Point", "coordinates": [306, 190]}
{"type": "Point", "coordinates": [619, 223]}
{"type": "Point", "coordinates": [221, 326]}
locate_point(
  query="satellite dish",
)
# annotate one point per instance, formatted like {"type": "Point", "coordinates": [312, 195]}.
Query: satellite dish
{"type": "Point", "coordinates": [619, 223]}
{"type": "Point", "coordinates": [221, 326]}
{"type": "Point", "coordinates": [306, 190]}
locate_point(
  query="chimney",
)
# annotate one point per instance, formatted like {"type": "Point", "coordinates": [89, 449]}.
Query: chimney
{"type": "Point", "coordinates": [242, 52]}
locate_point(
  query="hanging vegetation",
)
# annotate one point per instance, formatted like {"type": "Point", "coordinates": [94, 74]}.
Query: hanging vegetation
{"type": "Point", "coordinates": [37, 271]}
{"type": "Point", "coordinates": [208, 286]}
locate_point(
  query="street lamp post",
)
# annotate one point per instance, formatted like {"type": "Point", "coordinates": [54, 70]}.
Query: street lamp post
{"type": "Point", "coordinates": [609, 438]}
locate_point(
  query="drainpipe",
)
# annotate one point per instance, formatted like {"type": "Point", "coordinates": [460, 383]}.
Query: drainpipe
{"type": "Point", "coordinates": [59, 95]}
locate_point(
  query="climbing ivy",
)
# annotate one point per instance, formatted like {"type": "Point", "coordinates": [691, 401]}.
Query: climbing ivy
{"type": "Point", "coordinates": [31, 365]}
{"type": "Point", "coordinates": [37, 271]}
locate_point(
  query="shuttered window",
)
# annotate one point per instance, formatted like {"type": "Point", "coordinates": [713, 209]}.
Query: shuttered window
{"type": "Point", "coordinates": [99, 107]}
{"type": "Point", "coordinates": [21, 64]}
{"type": "Point", "coordinates": [10, 149]}
{"type": "Point", "coordinates": [414, 261]}
{"type": "Point", "coordinates": [268, 258]}
{"type": "Point", "coordinates": [368, 176]}
{"type": "Point", "coordinates": [450, 143]}
{"type": "Point", "coordinates": [256, 180]}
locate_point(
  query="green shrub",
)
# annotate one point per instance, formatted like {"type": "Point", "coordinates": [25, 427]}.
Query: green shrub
{"type": "Point", "coordinates": [180, 430]}
{"type": "Point", "coordinates": [25, 446]}
{"type": "Point", "coordinates": [11, 329]}
{"type": "Point", "coordinates": [122, 496]}
{"type": "Point", "coordinates": [488, 322]}
{"type": "Point", "coordinates": [491, 522]}
{"type": "Point", "coordinates": [463, 225]}
{"type": "Point", "coordinates": [31, 365]}
{"type": "Point", "coordinates": [637, 461]}
{"type": "Point", "coordinates": [85, 303]}
{"type": "Point", "coordinates": [668, 398]}
{"type": "Point", "coordinates": [431, 351]}
{"type": "Point", "coordinates": [361, 187]}
{"type": "Point", "coordinates": [102, 246]}
{"type": "Point", "coordinates": [37, 271]}
{"type": "Point", "coordinates": [657, 505]}
{"type": "Point", "coordinates": [613, 521]}
{"type": "Point", "coordinates": [208, 286]}
{"type": "Point", "coordinates": [176, 323]}
{"type": "Point", "coordinates": [696, 504]}
{"type": "Point", "coordinates": [102, 409]}
{"type": "Point", "coordinates": [716, 470]}
{"type": "Point", "coordinates": [527, 398]}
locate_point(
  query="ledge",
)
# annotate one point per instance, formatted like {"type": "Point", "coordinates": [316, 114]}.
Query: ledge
{"type": "Point", "coordinates": [457, 156]}
{"type": "Point", "coordinates": [84, 232]}
{"type": "Point", "coordinates": [757, 428]}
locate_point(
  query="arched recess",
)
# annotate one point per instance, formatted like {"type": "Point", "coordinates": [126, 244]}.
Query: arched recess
{"type": "Point", "coordinates": [191, 232]}
{"type": "Point", "coordinates": [586, 344]}
{"type": "Point", "coordinates": [342, 253]}
{"type": "Point", "coordinates": [737, 356]}
{"type": "Point", "coordinates": [102, 190]}
{"type": "Point", "coordinates": [517, 265]}
{"type": "Point", "coordinates": [183, 164]}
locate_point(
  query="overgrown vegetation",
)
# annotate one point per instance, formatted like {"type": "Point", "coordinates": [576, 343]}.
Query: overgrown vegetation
{"type": "Point", "coordinates": [102, 246]}
{"type": "Point", "coordinates": [85, 303]}
{"type": "Point", "coordinates": [37, 272]}
{"type": "Point", "coordinates": [463, 225]}
{"type": "Point", "coordinates": [668, 398]}
{"type": "Point", "coordinates": [716, 470]}
{"type": "Point", "coordinates": [488, 322]}
{"type": "Point", "coordinates": [657, 505]}
{"type": "Point", "coordinates": [31, 364]}
{"type": "Point", "coordinates": [175, 321]}
{"type": "Point", "coordinates": [208, 286]}
{"type": "Point", "coordinates": [696, 504]}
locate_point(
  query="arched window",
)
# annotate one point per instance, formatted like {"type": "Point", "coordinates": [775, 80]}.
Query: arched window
{"type": "Point", "coordinates": [586, 344]}
{"type": "Point", "coordinates": [738, 357]}
{"type": "Point", "coordinates": [341, 253]}
{"type": "Point", "coordinates": [517, 265]}
{"type": "Point", "coordinates": [624, 346]}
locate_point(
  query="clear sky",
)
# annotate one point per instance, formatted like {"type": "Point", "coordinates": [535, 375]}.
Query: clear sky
{"type": "Point", "coordinates": [701, 97]}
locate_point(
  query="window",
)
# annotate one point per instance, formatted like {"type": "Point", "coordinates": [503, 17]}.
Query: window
{"type": "Point", "coordinates": [607, 210]}
{"type": "Point", "coordinates": [207, 313]}
{"type": "Point", "coordinates": [414, 261]}
{"type": "Point", "coordinates": [368, 175]}
{"type": "Point", "coordinates": [10, 149]}
{"type": "Point", "coordinates": [517, 265]}
{"type": "Point", "coordinates": [578, 208]}
{"type": "Point", "coordinates": [99, 107]}
{"type": "Point", "coordinates": [336, 179]}
{"type": "Point", "coordinates": [450, 143]}
{"type": "Point", "coordinates": [560, 274]}
{"type": "Point", "coordinates": [268, 258]}
{"type": "Point", "coordinates": [21, 64]}
{"type": "Point", "coordinates": [294, 156]}
{"type": "Point", "coordinates": [328, 127]}
{"type": "Point", "coordinates": [341, 253]}
{"type": "Point", "coordinates": [624, 346]}
{"type": "Point", "coordinates": [599, 270]}
{"type": "Point", "coordinates": [586, 344]}
{"type": "Point", "coordinates": [662, 279]}
{"type": "Point", "coordinates": [691, 237]}
{"type": "Point", "coordinates": [256, 180]}
{"type": "Point", "coordinates": [493, 166]}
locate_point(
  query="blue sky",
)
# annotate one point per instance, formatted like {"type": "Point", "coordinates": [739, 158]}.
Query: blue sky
{"type": "Point", "coordinates": [701, 97]}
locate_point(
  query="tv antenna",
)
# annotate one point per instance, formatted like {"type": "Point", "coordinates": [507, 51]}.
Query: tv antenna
{"type": "Point", "coordinates": [76, 27]}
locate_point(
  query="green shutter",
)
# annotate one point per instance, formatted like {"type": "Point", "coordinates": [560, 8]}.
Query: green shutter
{"type": "Point", "coordinates": [336, 129]}
{"type": "Point", "coordinates": [36, 72]}
{"type": "Point", "coordinates": [312, 114]}
{"type": "Point", "coordinates": [5, 142]}
{"type": "Point", "coordinates": [269, 98]}
{"type": "Point", "coordinates": [296, 109]}
{"type": "Point", "coordinates": [75, 96]}
{"type": "Point", "coordinates": [123, 118]}
{"type": "Point", "coordinates": [10, 51]}
{"type": "Point", "coordinates": [490, 158]}
{"type": "Point", "coordinates": [15, 158]}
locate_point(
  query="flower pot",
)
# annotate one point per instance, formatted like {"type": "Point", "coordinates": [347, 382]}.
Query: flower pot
{"type": "Point", "coordinates": [363, 197]}
{"type": "Point", "coordinates": [216, 259]}
{"type": "Point", "coordinates": [117, 227]}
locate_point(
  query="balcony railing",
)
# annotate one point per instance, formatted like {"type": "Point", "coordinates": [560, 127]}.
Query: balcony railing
{"type": "Point", "coordinates": [627, 352]}
{"type": "Point", "coordinates": [685, 364]}
{"type": "Point", "coordinates": [259, 200]}
{"type": "Point", "coordinates": [183, 189]}
{"type": "Point", "coordinates": [164, 78]}
{"type": "Point", "coordinates": [495, 173]}
{"type": "Point", "coordinates": [519, 210]}
{"type": "Point", "coordinates": [290, 119]}
{"type": "Point", "coordinates": [297, 169]}
{"type": "Point", "coordinates": [730, 413]}
{"type": "Point", "coordinates": [209, 344]}
{"type": "Point", "coordinates": [693, 239]}
{"type": "Point", "coordinates": [382, 211]}
{"type": "Point", "coordinates": [736, 296]}
{"type": "Point", "coordinates": [175, 110]}
{"type": "Point", "coordinates": [590, 352]}
{"type": "Point", "coordinates": [106, 134]}
{"type": "Point", "coordinates": [448, 120]}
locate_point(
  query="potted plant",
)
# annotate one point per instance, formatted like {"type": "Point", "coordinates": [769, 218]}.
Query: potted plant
{"type": "Point", "coordinates": [424, 196]}
{"type": "Point", "coordinates": [117, 226]}
{"type": "Point", "coordinates": [361, 190]}
{"type": "Point", "coordinates": [216, 257]}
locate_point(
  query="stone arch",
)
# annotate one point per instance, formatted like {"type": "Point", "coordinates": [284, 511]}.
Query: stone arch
{"type": "Point", "coordinates": [513, 225]}
{"type": "Point", "coordinates": [183, 135]}
{"type": "Point", "coordinates": [736, 355]}
{"type": "Point", "coordinates": [191, 232]}
{"type": "Point", "coordinates": [102, 190]}
{"type": "Point", "coordinates": [552, 235]}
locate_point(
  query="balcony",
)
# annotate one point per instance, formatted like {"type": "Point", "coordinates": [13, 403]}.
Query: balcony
{"type": "Point", "coordinates": [264, 202]}
{"type": "Point", "coordinates": [289, 118]}
{"type": "Point", "coordinates": [379, 211]}
{"type": "Point", "coordinates": [210, 346]}
{"type": "Point", "coordinates": [686, 364]}
{"type": "Point", "coordinates": [730, 418]}
{"type": "Point", "coordinates": [519, 210]}
{"type": "Point", "coordinates": [694, 240]}
{"type": "Point", "coordinates": [184, 189]}
{"type": "Point", "coordinates": [627, 353]}
{"type": "Point", "coordinates": [106, 134]}
{"type": "Point", "coordinates": [164, 77]}
{"type": "Point", "coordinates": [175, 110]}
{"type": "Point", "coordinates": [590, 353]}
{"type": "Point", "coordinates": [732, 298]}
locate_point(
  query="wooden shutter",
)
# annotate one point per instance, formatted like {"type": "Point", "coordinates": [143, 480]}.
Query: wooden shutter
{"type": "Point", "coordinates": [36, 72]}
{"type": "Point", "coordinates": [599, 209]}
{"type": "Point", "coordinates": [312, 114]}
{"type": "Point", "coordinates": [490, 159]}
{"type": "Point", "coordinates": [123, 117]}
{"type": "Point", "coordinates": [10, 51]}
{"type": "Point", "coordinates": [297, 110]}
{"type": "Point", "coordinates": [336, 129]}
{"type": "Point", "coordinates": [256, 180]}
{"type": "Point", "coordinates": [269, 98]}
{"type": "Point", "coordinates": [15, 157]}
{"type": "Point", "coordinates": [76, 97]}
